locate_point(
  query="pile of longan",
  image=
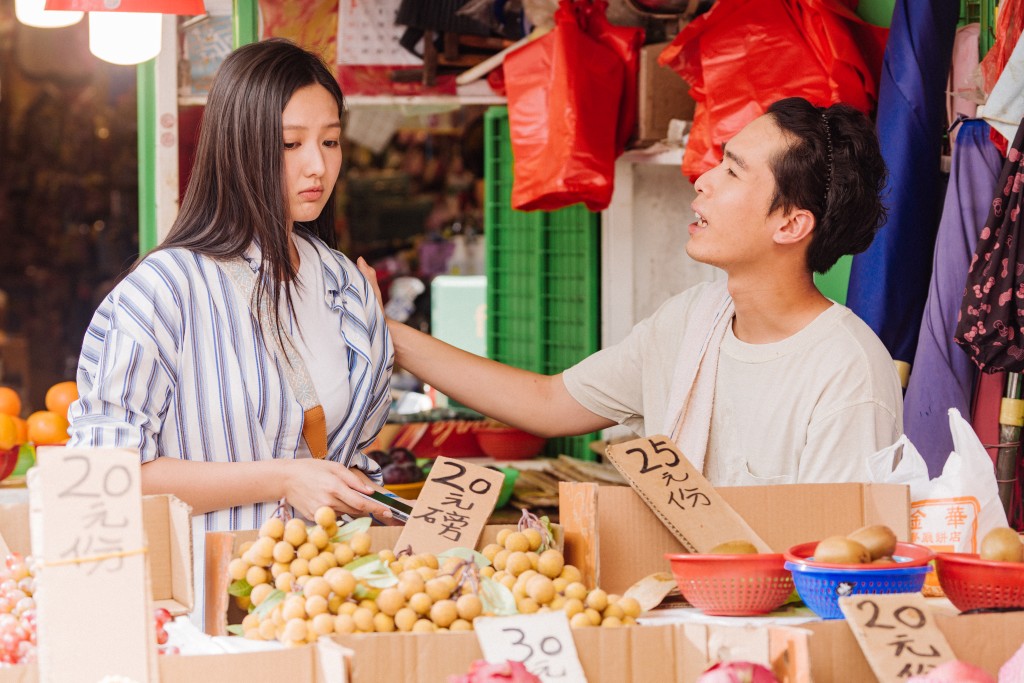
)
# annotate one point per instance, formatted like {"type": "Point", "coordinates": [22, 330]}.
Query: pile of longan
{"type": "Point", "coordinates": [322, 596]}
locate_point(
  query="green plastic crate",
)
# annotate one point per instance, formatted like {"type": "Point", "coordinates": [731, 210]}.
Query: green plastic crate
{"type": "Point", "coordinates": [543, 278]}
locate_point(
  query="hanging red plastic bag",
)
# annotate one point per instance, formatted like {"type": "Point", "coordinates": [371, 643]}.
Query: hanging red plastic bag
{"type": "Point", "coordinates": [564, 93]}
{"type": "Point", "coordinates": [742, 55]}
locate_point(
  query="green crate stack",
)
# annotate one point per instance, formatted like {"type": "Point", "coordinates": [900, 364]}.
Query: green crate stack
{"type": "Point", "coordinates": [543, 278]}
{"type": "Point", "coordinates": [980, 12]}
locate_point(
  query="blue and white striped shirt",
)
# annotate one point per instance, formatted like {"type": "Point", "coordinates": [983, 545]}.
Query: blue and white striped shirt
{"type": "Point", "coordinates": [174, 364]}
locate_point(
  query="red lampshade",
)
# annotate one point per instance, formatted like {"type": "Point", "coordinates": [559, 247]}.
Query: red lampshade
{"type": "Point", "coordinates": [190, 7]}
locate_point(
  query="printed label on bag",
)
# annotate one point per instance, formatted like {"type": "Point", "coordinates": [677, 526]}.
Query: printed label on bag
{"type": "Point", "coordinates": [945, 522]}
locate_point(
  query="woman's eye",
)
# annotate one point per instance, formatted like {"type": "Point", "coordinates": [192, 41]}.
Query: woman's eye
{"type": "Point", "coordinates": [731, 173]}
{"type": "Point", "coordinates": [291, 145]}
{"type": "Point", "coordinates": [332, 143]}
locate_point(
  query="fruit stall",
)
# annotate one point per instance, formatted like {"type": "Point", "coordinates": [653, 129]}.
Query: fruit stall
{"type": "Point", "coordinates": [500, 555]}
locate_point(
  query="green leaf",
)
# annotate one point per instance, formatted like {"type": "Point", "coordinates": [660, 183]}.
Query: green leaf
{"type": "Point", "coordinates": [372, 571]}
{"type": "Point", "coordinates": [235, 630]}
{"type": "Point", "coordinates": [549, 540]}
{"type": "Point", "coordinates": [269, 603]}
{"type": "Point", "coordinates": [465, 554]}
{"type": "Point", "coordinates": [240, 588]}
{"type": "Point", "coordinates": [349, 530]}
{"type": "Point", "coordinates": [497, 599]}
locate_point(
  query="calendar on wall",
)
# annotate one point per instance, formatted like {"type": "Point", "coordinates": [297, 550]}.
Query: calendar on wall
{"type": "Point", "coordinates": [368, 35]}
{"type": "Point", "coordinates": [370, 59]}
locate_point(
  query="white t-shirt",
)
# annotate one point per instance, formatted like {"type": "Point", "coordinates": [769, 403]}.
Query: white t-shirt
{"type": "Point", "coordinates": [809, 408]}
{"type": "Point", "coordinates": [325, 354]}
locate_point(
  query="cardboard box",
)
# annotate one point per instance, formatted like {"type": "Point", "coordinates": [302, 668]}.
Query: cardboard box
{"type": "Point", "coordinates": [827, 651]}
{"type": "Point", "coordinates": [662, 95]}
{"type": "Point", "coordinates": [167, 523]}
{"type": "Point", "coordinates": [614, 538]}
{"type": "Point", "coordinates": [222, 546]}
{"type": "Point", "coordinates": [676, 653]}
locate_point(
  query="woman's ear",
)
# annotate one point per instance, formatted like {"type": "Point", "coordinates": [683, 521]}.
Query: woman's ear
{"type": "Point", "coordinates": [798, 225]}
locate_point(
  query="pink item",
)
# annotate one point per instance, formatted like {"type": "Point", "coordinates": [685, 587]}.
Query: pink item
{"type": "Point", "coordinates": [1013, 670]}
{"type": "Point", "coordinates": [502, 672]}
{"type": "Point", "coordinates": [737, 672]}
{"type": "Point", "coordinates": [955, 672]}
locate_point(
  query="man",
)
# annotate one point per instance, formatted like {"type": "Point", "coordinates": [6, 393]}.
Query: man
{"type": "Point", "coordinates": [760, 379]}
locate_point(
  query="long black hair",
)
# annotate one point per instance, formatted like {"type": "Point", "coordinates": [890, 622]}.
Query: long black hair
{"type": "Point", "coordinates": [236, 192]}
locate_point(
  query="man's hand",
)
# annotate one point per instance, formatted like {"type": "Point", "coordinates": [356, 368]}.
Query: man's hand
{"type": "Point", "coordinates": [370, 274]}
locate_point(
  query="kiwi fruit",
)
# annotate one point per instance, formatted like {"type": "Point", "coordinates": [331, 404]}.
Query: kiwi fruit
{"type": "Point", "coordinates": [841, 550]}
{"type": "Point", "coordinates": [738, 547]}
{"type": "Point", "coordinates": [879, 540]}
{"type": "Point", "coordinates": [1002, 544]}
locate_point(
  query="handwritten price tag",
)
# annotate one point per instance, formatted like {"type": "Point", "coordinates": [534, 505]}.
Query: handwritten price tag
{"type": "Point", "coordinates": [687, 504]}
{"type": "Point", "coordinates": [542, 642]}
{"type": "Point", "coordinates": [453, 507]}
{"type": "Point", "coordinates": [896, 634]}
{"type": "Point", "coordinates": [87, 536]}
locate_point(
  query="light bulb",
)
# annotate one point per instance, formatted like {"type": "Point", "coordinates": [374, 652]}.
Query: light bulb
{"type": "Point", "coordinates": [34, 13]}
{"type": "Point", "coordinates": [125, 37]}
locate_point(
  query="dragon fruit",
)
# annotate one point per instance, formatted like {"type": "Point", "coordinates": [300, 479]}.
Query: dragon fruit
{"type": "Point", "coordinates": [954, 672]}
{"type": "Point", "coordinates": [502, 672]}
{"type": "Point", "coordinates": [737, 672]}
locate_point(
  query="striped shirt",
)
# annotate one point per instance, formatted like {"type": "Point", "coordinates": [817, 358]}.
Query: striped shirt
{"type": "Point", "coordinates": [173, 364]}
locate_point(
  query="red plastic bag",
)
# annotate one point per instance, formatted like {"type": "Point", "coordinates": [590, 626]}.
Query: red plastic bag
{"type": "Point", "coordinates": [564, 109]}
{"type": "Point", "coordinates": [742, 55]}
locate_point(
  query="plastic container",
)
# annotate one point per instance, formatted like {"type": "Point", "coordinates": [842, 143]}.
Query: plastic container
{"type": "Point", "coordinates": [972, 583]}
{"type": "Point", "coordinates": [407, 491]}
{"type": "Point", "coordinates": [543, 278]}
{"type": "Point", "coordinates": [508, 443]}
{"type": "Point", "coordinates": [821, 584]}
{"type": "Point", "coordinates": [732, 585]}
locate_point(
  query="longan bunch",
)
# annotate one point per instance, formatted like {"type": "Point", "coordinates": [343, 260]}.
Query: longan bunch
{"type": "Point", "coordinates": [541, 581]}
{"type": "Point", "coordinates": [307, 566]}
{"type": "Point", "coordinates": [315, 594]}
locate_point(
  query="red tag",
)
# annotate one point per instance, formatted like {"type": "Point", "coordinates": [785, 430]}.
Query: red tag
{"type": "Point", "coordinates": [191, 7]}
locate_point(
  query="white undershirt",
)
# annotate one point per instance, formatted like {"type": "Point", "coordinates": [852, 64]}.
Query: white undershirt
{"type": "Point", "coordinates": [323, 350]}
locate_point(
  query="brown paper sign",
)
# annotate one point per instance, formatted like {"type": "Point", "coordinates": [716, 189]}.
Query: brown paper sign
{"type": "Point", "coordinates": [679, 495]}
{"type": "Point", "coordinates": [453, 507]}
{"type": "Point", "coordinates": [87, 538]}
{"type": "Point", "coordinates": [896, 633]}
{"type": "Point", "coordinates": [5, 550]}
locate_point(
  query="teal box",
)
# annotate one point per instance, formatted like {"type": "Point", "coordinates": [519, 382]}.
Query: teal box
{"type": "Point", "coordinates": [458, 311]}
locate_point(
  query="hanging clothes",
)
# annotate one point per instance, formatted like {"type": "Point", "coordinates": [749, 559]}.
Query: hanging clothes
{"type": "Point", "coordinates": [1004, 107]}
{"type": "Point", "coordinates": [943, 376]}
{"type": "Point", "coordinates": [889, 281]}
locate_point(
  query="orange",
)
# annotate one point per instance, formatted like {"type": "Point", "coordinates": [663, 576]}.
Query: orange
{"type": "Point", "coordinates": [22, 430]}
{"type": "Point", "coordinates": [46, 427]}
{"type": "Point", "coordinates": [10, 402]}
{"type": "Point", "coordinates": [60, 396]}
{"type": "Point", "coordinates": [8, 432]}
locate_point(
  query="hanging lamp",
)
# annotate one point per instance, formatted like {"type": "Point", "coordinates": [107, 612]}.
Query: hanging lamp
{"type": "Point", "coordinates": [127, 31]}
{"type": "Point", "coordinates": [34, 13]}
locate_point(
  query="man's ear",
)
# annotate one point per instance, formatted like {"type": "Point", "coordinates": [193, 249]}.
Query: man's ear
{"type": "Point", "coordinates": [797, 225]}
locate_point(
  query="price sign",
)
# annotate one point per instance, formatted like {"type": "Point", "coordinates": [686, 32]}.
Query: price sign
{"type": "Point", "coordinates": [87, 538]}
{"type": "Point", "coordinates": [453, 507]}
{"type": "Point", "coordinates": [687, 504]}
{"type": "Point", "coordinates": [542, 642]}
{"type": "Point", "coordinates": [896, 634]}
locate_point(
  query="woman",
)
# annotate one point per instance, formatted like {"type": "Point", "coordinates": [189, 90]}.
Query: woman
{"type": "Point", "coordinates": [244, 344]}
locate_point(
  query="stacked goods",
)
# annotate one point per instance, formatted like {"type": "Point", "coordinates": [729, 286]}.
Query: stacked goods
{"type": "Point", "coordinates": [300, 582]}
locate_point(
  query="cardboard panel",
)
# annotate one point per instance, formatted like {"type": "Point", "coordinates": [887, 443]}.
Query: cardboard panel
{"type": "Point", "coordinates": [166, 523]}
{"type": "Point", "coordinates": [626, 541]}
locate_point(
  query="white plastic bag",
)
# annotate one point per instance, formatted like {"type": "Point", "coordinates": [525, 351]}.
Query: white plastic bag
{"type": "Point", "coordinates": [954, 511]}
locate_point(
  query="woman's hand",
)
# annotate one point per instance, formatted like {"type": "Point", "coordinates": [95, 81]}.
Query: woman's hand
{"type": "Point", "coordinates": [311, 484]}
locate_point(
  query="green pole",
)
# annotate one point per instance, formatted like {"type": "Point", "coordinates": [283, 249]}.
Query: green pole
{"type": "Point", "coordinates": [146, 93]}
{"type": "Point", "coordinates": [246, 16]}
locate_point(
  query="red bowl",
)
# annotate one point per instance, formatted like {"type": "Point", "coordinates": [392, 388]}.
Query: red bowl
{"type": "Point", "coordinates": [732, 585]}
{"type": "Point", "coordinates": [910, 554]}
{"type": "Point", "coordinates": [973, 583]}
{"type": "Point", "coordinates": [508, 443]}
